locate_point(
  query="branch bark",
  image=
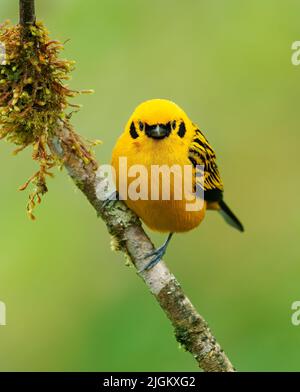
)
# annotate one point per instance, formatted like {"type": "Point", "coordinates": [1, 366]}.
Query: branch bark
{"type": "Point", "coordinates": [191, 330]}
{"type": "Point", "coordinates": [27, 12]}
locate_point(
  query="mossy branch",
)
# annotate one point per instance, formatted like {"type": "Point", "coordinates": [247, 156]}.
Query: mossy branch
{"type": "Point", "coordinates": [34, 96]}
{"type": "Point", "coordinates": [58, 142]}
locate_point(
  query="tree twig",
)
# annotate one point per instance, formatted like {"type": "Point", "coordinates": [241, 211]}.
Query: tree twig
{"type": "Point", "coordinates": [27, 12]}
{"type": "Point", "coordinates": [191, 330]}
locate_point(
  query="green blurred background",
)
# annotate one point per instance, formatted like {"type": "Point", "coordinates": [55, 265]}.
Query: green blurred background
{"type": "Point", "coordinates": [72, 304]}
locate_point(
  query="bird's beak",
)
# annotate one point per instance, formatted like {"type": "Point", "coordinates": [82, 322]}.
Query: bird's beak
{"type": "Point", "coordinates": [157, 132]}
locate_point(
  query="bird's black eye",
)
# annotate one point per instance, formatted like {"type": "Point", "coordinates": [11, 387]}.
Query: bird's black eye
{"type": "Point", "coordinates": [174, 124]}
{"type": "Point", "coordinates": [141, 126]}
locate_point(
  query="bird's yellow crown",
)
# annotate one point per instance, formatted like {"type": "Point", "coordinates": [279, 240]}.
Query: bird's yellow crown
{"type": "Point", "coordinates": [156, 111]}
{"type": "Point", "coordinates": [159, 119]}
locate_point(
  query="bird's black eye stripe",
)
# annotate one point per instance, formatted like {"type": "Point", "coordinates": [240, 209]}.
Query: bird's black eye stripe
{"type": "Point", "coordinates": [181, 130]}
{"type": "Point", "coordinates": [141, 126]}
{"type": "Point", "coordinates": [133, 131]}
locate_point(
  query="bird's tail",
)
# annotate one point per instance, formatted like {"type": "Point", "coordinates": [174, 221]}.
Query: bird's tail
{"type": "Point", "coordinates": [229, 216]}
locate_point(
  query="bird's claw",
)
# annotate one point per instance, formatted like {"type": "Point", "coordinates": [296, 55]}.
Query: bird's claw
{"type": "Point", "coordinates": [111, 198]}
{"type": "Point", "coordinates": [158, 255]}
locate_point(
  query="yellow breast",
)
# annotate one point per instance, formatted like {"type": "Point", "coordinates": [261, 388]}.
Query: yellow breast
{"type": "Point", "coordinates": [159, 215]}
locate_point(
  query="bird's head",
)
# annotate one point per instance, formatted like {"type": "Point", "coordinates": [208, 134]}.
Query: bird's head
{"type": "Point", "coordinates": [157, 120]}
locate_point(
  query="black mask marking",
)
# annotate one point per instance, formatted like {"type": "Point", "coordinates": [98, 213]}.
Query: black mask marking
{"type": "Point", "coordinates": [133, 131]}
{"type": "Point", "coordinates": [181, 131]}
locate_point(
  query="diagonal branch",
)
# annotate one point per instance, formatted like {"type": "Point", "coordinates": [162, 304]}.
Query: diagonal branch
{"type": "Point", "coordinates": [191, 330]}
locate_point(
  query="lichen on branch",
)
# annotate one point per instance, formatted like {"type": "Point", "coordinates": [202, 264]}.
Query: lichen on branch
{"type": "Point", "coordinates": [34, 99]}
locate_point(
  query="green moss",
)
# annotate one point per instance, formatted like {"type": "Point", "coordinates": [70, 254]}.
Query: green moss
{"type": "Point", "coordinates": [34, 100]}
{"type": "Point", "coordinates": [182, 336]}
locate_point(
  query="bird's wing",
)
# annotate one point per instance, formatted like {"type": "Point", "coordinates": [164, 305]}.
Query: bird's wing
{"type": "Point", "coordinates": [201, 153]}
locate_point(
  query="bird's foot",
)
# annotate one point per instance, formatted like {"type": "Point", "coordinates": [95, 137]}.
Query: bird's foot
{"type": "Point", "coordinates": [156, 255]}
{"type": "Point", "coordinates": [111, 198]}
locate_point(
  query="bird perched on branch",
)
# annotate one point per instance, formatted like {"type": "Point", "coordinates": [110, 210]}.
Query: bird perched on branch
{"type": "Point", "coordinates": [160, 134]}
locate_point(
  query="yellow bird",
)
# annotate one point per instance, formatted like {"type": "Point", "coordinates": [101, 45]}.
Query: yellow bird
{"type": "Point", "coordinates": [160, 133]}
